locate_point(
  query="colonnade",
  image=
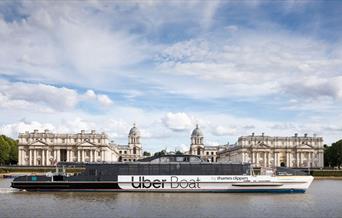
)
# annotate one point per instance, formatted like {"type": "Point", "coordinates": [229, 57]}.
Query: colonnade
{"type": "Point", "coordinates": [46, 157]}
{"type": "Point", "coordinates": [288, 158]}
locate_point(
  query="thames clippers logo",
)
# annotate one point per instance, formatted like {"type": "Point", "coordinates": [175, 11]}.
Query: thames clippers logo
{"type": "Point", "coordinates": [172, 182]}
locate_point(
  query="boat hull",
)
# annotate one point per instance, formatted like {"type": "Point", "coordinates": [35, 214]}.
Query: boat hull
{"type": "Point", "coordinates": [233, 184]}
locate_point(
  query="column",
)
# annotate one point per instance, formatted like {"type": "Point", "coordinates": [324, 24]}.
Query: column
{"type": "Point", "coordinates": [58, 155]}
{"type": "Point", "coordinates": [264, 159]}
{"type": "Point", "coordinates": [268, 159]}
{"type": "Point", "coordinates": [257, 159]}
{"type": "Point", "coordinates": [54, 156]}
{"type": "Point", "coordinates": [35, 157]}
{"type": "Point", "coordinates": [297, 159]}
{"type": "Point", "coordinates": [82, 158]}
{"type": "Point", "coordinates": [103, 155]}
{"type": "Point", "coordinates": [301, 158]}
{"type": "Point", "coordinates": [43, 157]}
{"type": "Point", "coordinates": [20, 157]}
{"type": "Point", "coordinates": [91, 156]}
{"type": "Point", "coordinates": [30, 158]}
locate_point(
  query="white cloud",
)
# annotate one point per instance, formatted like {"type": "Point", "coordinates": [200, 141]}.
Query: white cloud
{"type": "Point", "coordinates": [90, 94]}
{"type": "Point", "coordinates": [223, 131]}
{"type": "Point", "coordinates": [14, 129]}
{"type": "Point", "coordinates": [104, 100]}
{"type": "Point", "coordinates": [178, 121]}
{"type": "Point", "coordinates": [19, 94]}
{"type": "Point", "coordinates": [45, 98]}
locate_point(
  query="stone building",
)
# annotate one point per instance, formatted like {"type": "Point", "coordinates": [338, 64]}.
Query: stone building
{"type": "Point", "coordinates": [132, 151]}
{"type": "Point", "coordinates": [47, 148]}
{"type": "Point", "coordinates": [197, 146]}
{"type": "Point", "coordinates": [271, 151]}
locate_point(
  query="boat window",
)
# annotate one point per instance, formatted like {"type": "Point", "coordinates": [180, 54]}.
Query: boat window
{"type": "Point", "coordinates": [180, 159]}
{"type": "Point", "coordinates": [195, 159]}
{"type": "Point", "coordinates": [164, 160]}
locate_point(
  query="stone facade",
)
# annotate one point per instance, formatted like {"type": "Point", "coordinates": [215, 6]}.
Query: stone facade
{"type": "Point", "coordinates": [47, 148]}
{"type": "Point", "coordinates": [272, 151]}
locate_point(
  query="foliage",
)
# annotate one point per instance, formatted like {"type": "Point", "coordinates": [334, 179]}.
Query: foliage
{"type": "Point", "coordinates": [147, 154]}
{"type": "Point", "coordinates": [179, 153]}
{"type": "Point", "coordinates": [8, 150]}
{"type": "Point", "coordinates": [160, 153]}
{"type": "Point", "coordinates": [333, 155]}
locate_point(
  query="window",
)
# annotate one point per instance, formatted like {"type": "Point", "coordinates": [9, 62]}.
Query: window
{"type": "Point", "coordinates": [125, 152]}
{"type": "Point", "coordinates": [180, 159]}
{"type": "Point", "coordinates": [164, 159]}
{"type": "Point", "coordinates": [212, 153]}
{"type": "Point", "coordinates": [134, 150]}
{"type": "Point", "coordinates": [120, 152]}
{"type": "Point", "coordinates": [207, 152]}
{"type": "Point", "coordinates": [99, 140]}
{"type": "Point", "coordinates": [195, 159]}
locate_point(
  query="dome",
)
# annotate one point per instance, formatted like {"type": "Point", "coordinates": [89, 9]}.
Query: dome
{"type": "Point", "coordinates": [134, 131]}
{"type": "Point", "coordinates": [196, 132]}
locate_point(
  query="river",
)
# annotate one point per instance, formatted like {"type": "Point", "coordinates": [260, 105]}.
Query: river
{"type": "Point", "coordinates": [323, 199]}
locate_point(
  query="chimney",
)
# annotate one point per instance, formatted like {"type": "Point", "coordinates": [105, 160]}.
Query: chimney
{"type": "Point", "coordinates": [252, 133]}
{"type": "Point", "coordinates": [93, 131]}
{"type": "Point", "coordinates": [46, 131]}
{"type": "Point", "coordinates": [296, 134]}
{"type": "Point", "coordinates": [262, 134]}
{"type": "Point", "coordinates": [35, 131]}
{"type": "Point", "coordinates": [305, 135]}
{"type": "Point", "coordinates": [82, 131]}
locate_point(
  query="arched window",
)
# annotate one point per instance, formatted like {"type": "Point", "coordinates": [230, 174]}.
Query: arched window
{"type": "Point", "coordinates": [134, 150]}
{"type": "Point", "coordinates": [198, 151]}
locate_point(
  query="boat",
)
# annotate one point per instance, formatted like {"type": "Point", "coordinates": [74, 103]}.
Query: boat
{"type": "Point", "coordinates": [168, 173]}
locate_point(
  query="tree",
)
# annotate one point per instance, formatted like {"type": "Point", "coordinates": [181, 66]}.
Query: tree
{"type": "Point", "coordinates": [333, 154]}
{"type": "Point", "coordinates": [8, 150]}
{"type": "Point", "coordinates": [160, 153]}
{"type": "Point", "coordinates": [147, 154]}
{"type": "Point", "coordinates": [179, 153]}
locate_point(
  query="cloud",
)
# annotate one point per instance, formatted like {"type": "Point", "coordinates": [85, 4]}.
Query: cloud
{"type": "Point", "coordinates": [13, 129]}
{"type": "Point", "coordinates": [178, 121]}
{"type": "Point", "coordinates": [104, 100]}
{"type": "Point", "coordinates": [45, 98]}
{"type": "Point", "coordinates": [223, 131]}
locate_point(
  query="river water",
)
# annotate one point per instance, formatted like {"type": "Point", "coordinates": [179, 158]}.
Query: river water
{"type": "Point", "coordinates": [323, 199]}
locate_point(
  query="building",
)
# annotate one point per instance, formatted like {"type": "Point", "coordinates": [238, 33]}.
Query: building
{"type": "Point", "coordinates": [273, 151]}
{"type": "Point", "coordinates": [197, 146]}
{"type": "Point", "coordinates": [132, 151]}
{"type": "Point", "coordinates": [47, 148]}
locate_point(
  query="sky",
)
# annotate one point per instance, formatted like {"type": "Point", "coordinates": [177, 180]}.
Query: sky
{"type": "Point", "coordinates": [232, 67]}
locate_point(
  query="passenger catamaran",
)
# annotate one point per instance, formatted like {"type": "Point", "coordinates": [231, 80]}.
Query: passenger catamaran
{"type": "Point", "coordinates": [169, 173]}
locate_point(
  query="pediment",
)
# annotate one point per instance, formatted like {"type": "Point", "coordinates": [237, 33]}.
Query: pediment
{"type": "Point", "coordinates": [38, 143]}
{"type": "Point", "coordinates": [261, 145]}
{"type": "Point", "coordinates": [304, 146]}
{"type": "Point", "coordinates": [86, 144]}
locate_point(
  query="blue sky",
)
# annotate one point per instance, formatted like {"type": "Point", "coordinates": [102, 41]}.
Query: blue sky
{"type": "Point", "coordinates": [233, 67]}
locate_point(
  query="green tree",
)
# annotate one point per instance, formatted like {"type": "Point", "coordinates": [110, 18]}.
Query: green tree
{"type": "Point", "coordinates": [8, 150]}
{"type": "Point", "coordinates": [179, 152]}
{"type": "Point", "coordinates": [160, 153]}
{"type": "Point", "coordinates": [147, 154]}
{"type": "Point", "coordinates": [333, 154]}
